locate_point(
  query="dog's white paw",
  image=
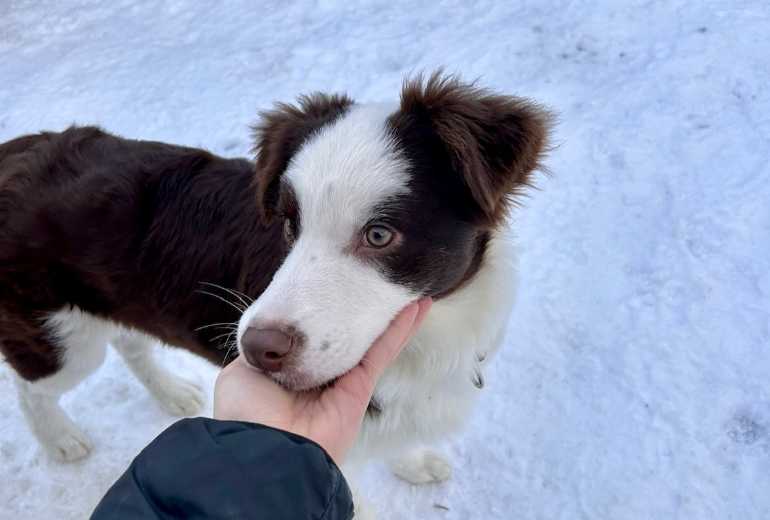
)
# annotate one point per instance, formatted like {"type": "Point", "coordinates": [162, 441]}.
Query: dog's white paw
{"type": "Point", "coordinates": [422, 467]}
{"type": "Point", "coordinates": [67, 443]}
{"type": "Point", "coordinates": [178, 396]}
{"type": "Point", "coordinates": [58, 435]}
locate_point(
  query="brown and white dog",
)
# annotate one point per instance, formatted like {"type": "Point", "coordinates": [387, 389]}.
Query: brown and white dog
{"type": "Point", "coordinates": [351, 212]}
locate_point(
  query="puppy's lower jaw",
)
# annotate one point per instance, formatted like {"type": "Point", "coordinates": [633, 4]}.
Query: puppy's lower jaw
{"type": "Point", "coordinates": [297, 382]}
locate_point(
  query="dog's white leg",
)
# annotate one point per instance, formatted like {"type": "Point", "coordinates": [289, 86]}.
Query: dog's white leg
{"type": "Point", "coordinates": [421, 466]}
{"type": "Point", "coordinates": [80, 342]}
{"type": "Point", "coordinates": [176, 395]}
{"type": "Point", "coordinates": [55, 431]}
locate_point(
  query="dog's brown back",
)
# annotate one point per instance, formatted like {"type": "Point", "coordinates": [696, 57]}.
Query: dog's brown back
{"type": "Point", "coordinates": [130, 230]}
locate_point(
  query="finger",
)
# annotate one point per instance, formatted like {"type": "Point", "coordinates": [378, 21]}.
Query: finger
{"type": "Point", "coordinates": [245, 378]}
{"type": "Point", "coordinates": [425, 305]}
{"type": "Point", "coordinates": [360, 381]}
{"type": "Point", "coordinates": [387, 347]}
{"type": "Point", "coordinates": [242, 392]}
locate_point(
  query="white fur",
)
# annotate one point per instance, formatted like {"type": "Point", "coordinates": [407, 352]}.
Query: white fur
{"type": "Point", "coordinates": [338, 302]}
{"type": "Point", "coordinates": [427, 393]}
{"type": "Point", "coordinates": [175, 394]}
{"type": "Point", "coordinates": [421, 466]}
{"type": "Point", "coordinates": [334, 298]}
{"type": "Point", "coordinates": [82, 339]}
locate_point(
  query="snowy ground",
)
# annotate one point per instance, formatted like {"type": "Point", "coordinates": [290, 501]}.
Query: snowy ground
{"type": "Point", "coordinates": [636, 381]}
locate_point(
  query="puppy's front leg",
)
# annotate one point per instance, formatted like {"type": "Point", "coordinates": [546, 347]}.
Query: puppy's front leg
{"type": "Point", "coordinates": [175, 394]}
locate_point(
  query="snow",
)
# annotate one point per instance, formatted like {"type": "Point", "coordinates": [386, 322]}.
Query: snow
{"type": "Point", "coordinates": [635, 382]}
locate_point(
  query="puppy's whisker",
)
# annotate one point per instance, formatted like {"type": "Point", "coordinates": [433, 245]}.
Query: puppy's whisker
{"type": "Point", "coordinates": [233, 344]}
{"type": "Point", "coordinates": [218, 325]}
{"type": "Point", "coordinates": [228, 341]}
{"type": "Point", "coordinates": [225, 300]}
{"type": "Point", "coordinates": [231, 292]}
{"type": "Point", "coordinates": [226, 334]}
{"type": "Point", "coordinates": [242, 295]}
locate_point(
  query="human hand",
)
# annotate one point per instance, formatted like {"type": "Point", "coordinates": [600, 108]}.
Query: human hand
{"type": "Point", "coordinates": [332, 416]}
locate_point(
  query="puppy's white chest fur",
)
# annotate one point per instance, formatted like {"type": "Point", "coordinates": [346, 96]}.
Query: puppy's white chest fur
{"type": "Point", "coordinates": [427, 393]}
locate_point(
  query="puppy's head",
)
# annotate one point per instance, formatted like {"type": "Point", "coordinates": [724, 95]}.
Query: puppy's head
{"type": "Point", "coordinates": [380, 205]}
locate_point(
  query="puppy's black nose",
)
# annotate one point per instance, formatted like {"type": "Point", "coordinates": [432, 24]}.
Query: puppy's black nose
{"type": "Point", "coordinates": [266, 348]}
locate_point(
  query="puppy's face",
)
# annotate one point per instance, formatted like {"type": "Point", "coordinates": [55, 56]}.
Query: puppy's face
{"type": "Point", "coordinates": [380, 206]}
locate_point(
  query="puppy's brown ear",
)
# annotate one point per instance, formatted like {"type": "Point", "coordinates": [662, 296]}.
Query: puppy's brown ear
{"type": "Point", "coordinates": [494, 142]}
{"type": "Point", "coordinates": [280, 133]}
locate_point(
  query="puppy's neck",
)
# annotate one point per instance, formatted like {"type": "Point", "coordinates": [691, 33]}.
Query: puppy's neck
{"type": "Point", "coordinates": [471, 322]}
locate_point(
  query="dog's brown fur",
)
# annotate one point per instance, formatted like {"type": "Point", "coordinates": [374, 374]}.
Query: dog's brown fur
{"type": "Point", "coordinates": [127, 230]}
{"type": "Point", "coordinates": [494, 142]}
{"type": "Point", "coordinates": [282, 131]}
{"type": "Point", "coordinates": [133, 231]}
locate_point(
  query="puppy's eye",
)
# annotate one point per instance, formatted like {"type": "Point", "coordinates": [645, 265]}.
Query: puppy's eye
{"type": "Point", "coordinates": [288, 231]}
{"type": "Point", "coordinates": [378, 236]}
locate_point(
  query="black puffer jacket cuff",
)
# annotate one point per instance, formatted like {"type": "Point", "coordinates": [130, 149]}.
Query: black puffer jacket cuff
{"type": "Point", "coordinates": [203, 468]}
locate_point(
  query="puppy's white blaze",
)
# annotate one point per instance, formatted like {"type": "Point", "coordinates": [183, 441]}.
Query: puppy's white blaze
{"type": "Point", "coordinates": [339, 302]}
{"type": "Point", "coordinates": [345, 170]}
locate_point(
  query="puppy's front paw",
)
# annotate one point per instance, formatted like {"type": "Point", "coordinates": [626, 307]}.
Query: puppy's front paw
{"type": "Point", "coordinates": [64, 441]}
{"type": "Point", "coordinates": [178, 396]}
{"type": "Point", "coordinates": [58, 435]}
{"type": "Point", "coordinates": [422, 467]}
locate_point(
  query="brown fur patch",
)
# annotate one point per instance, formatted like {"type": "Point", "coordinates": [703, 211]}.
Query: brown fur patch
{"type": "Point", "coordinates": [494, 142]}
{"type": "Point", "coordinates": [282, 131]}
{"type": "Point", "coordinates": [127, 230]}
{"type": "Point", "coordinates": [131, 230]}
{"type": "Point", "coordinates": [470, 153]}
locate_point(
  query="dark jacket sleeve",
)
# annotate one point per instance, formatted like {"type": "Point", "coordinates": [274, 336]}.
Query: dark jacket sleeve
{"type": "Point", "coordinates": [203, 468]}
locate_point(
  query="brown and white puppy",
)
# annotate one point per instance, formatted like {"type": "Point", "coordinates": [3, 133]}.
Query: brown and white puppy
{"type": "Point", "coordinates": [352, 211]}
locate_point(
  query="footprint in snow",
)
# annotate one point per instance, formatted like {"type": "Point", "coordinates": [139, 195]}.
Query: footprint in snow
{"type": "Point", "coordinates": [746, 429]}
